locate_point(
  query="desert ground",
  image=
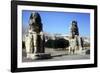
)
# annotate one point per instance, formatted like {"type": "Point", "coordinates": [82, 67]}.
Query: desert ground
{"type": "Point", "coordinates": [58, 55]}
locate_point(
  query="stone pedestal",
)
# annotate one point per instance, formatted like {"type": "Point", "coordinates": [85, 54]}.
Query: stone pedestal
{"type": "Point", "coordinates": [38, 56]}
{"type": "Point", "coordinates": [43, 56]}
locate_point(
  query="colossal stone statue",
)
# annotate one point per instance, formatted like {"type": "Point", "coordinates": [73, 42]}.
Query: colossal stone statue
{"type": "Point", "coordinates": [35, 38]}
{"type": "Point", "coordinates": [75, 39]}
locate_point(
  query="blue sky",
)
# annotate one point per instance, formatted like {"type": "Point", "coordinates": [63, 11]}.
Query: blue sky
{"type": "Point", "coordinates": [59, 22]}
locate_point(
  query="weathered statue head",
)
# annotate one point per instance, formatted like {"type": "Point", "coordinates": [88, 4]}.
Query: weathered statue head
{"type": "Point", "coordinates": [74, 29]}
{"type": "Point", "coordinates": [35, 22]}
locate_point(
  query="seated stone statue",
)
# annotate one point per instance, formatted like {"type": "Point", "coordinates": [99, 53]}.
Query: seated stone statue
{"type": "Point", "coordinates": [75, 40]}
{"type": "Point", "coordinates": [35, 38]}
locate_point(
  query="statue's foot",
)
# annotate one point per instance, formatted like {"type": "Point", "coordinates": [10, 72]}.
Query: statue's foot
{"type": "Point", "coordinates": [28, 56]}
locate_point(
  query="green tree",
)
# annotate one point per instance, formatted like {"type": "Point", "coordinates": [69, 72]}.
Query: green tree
{"type": "Point", "coordinates": [57, 43]}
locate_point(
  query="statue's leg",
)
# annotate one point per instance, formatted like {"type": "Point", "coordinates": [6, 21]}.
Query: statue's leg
{"type": "Point", "coordinates": [73, 50]}
{"type": "Point", "coordinates": [42, 40]}
{"type": "Point", "coordinates": [69, 50]}
{"type": "Point", "coordinates": [27, 44]}
{"type": "Point", "coordinates": [35, 43]}
{"type": "Point", "coordinates": [76, 50]}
